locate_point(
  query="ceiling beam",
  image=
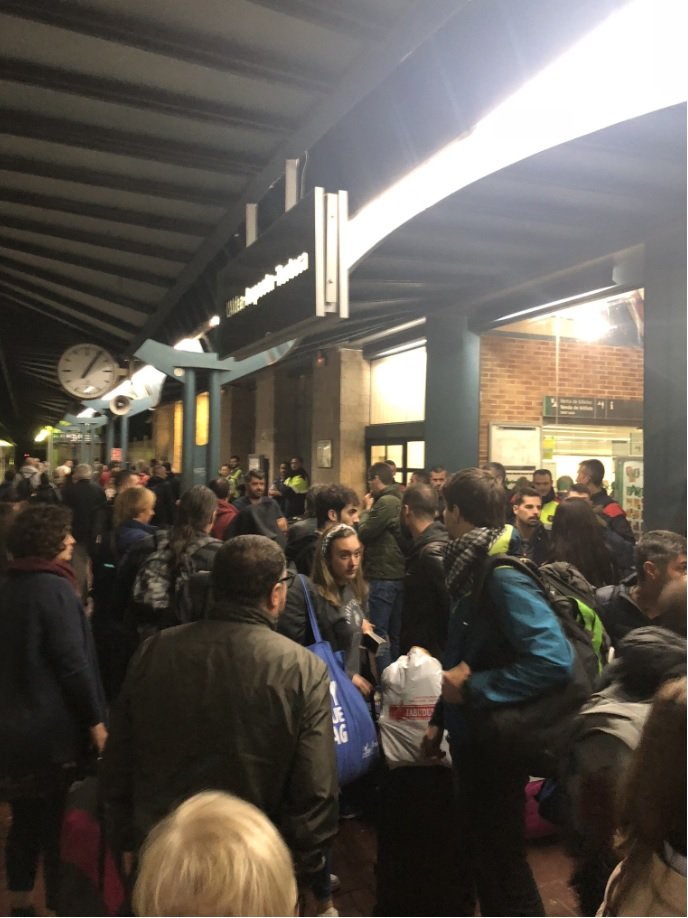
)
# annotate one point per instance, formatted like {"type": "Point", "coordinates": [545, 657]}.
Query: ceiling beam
{"type": "Point", "coordinates": [181, 45]}
{"type": "Point", "coordinates": [101, 240]}
{"type": "Point", "coordinates": [145, 98]}
{"type": "Point", "coordinates": [124, 143]}
{"type": "Point", "coordinates": [375, 63]}
{"type": "Point", "coordinates": [26, 304]}
{"type": "Point", "coordinates": [342, 18]}
{"type": "Point", "coordinates": [83, 261]}
{"type": "Point", "coordinates": [7, 377]}
{"type": "Point", "coordinates": [116, 181]}
{"type": "Point", "coordinates": [42, 296]}
{"type": "Point", "coordinates": [103, 212]}
{"type": "Point", "coordinates": [70, 283]}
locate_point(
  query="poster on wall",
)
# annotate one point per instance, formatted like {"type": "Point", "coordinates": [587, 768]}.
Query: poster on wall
{"type": "Point", "coordinates": [516, 446]}
{"type": "Point", "coordinates": [629, 490]}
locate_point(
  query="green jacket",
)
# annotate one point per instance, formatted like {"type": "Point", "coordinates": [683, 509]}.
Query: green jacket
{"type": "Point", "coordinates": [379, 530]}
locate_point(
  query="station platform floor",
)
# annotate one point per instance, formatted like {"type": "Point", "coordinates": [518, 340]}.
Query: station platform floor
{"type": "Point", "coordinates": [354, 862]}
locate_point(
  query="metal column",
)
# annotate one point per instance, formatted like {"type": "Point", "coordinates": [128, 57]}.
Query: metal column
{"type": "Point", "coordinates": [214, 421]}
{"type": "Point", "coordinates": [109, 440]}
{"type": "Point", "coordinates": [452, 392]}
{"type": "Point", "coordinates": [124, 436]}
{"type": "Point", "coordinates": [188, 428]}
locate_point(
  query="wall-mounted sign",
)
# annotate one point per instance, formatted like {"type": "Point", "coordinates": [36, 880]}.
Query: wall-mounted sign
{"type": "Point", "coordinates": [288, 282]}
{"type": "Point", "coordinates": [592, 408]}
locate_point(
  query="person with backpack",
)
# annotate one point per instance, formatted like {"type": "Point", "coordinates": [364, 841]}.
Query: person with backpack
{"type": "Point", "coordinates": [505, 647]}
{"type": "Point", "coordinates": [602, 740]}
{"type": "Point", "coordinates": [164, 591]}
{"type": "Point", "coordinates": [660, 557]}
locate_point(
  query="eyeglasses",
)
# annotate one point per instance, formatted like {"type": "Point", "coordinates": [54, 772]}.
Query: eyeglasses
{"type": "Point", "coordinates": [288, 578]}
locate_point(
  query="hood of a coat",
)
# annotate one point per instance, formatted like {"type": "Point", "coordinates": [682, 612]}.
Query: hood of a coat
{"type": "Point", "coordinates": [645, 659]}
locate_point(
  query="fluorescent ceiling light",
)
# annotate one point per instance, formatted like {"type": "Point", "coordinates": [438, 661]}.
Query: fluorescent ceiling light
{"type": "Point", "coordinates": [631, 64]}
{"type": "Point", "coordinates": [41, 435]}
{"type": "Point", "coordinates": [4, 443]}
{"type": "Point", "coordinates": [87, 413]}
{"type": "Point", "coordinates": [214, 321]}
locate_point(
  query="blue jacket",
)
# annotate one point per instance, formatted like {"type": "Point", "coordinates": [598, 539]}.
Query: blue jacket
{"type": "Point", "coordinates": [130, 532]}
{"type": "Point", "coordinates": [50, 691]}
{"type": "Point", "coordinates": [513, 644]}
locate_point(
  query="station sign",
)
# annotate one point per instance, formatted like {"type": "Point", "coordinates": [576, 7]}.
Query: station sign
{"type": "Point", "coordinates": [290, 282]}
{"type": "Point", "coordinates": [592, 408]}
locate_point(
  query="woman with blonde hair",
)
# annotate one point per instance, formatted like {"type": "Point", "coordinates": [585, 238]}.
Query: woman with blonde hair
{"type": "Point", "coordinates": [132, 513]}
{"type": "Point", "coordinates": [651, 878]}
{"type": "Point", "coordinates": [215, 855]}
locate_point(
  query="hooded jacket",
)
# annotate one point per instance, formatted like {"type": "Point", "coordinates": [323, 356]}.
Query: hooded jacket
{"type": "Point", "coordinates": [226, 704]}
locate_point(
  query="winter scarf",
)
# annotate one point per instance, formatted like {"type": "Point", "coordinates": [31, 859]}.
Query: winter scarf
{"type": "Point", "coordinates": [463, 557]}
{"type": "Point", "coordinates": [43, 566]}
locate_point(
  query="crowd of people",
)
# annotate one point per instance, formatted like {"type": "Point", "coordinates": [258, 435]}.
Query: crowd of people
{"type": "Point", "coordinates": [166, 633]}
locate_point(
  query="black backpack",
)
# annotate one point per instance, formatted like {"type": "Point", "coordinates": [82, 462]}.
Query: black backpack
{"type": "Point", "coordinates": [536, 730]}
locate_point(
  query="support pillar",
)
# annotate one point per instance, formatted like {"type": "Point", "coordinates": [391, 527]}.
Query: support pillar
{"type": "Point", "coordinates": [109, 439]}
{"type": "Point", "coordinates": [340, 413]}
{"type": "Point", "coordinates": [188, 428]}
{"type": "Point", "coordinates": [452, 392]}
{"type": "Point", "coordinates": [124, 437]}
{"type": "Point", "coordinates": [665, 383]}
{"type": "Point", "coordinates": [214, 422]}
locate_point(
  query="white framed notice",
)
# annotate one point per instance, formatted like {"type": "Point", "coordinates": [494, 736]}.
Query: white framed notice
{"type": "Point", "coordinates": [516, 446]}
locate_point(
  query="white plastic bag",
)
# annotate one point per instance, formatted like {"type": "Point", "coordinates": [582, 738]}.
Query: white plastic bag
{"type": "Point", "coordinates": [410, 687]}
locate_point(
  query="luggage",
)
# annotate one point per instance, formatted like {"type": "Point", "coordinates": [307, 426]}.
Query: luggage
{"type": "Point", "coordinates": [90, 883]}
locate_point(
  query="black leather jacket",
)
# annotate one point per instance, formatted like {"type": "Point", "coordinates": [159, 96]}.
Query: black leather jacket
{"type": "Point", "coordinates": [426, 606]}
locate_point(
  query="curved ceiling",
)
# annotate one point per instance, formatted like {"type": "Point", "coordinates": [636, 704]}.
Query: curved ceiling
{"type": "Point", "coordinates": [131, 136]}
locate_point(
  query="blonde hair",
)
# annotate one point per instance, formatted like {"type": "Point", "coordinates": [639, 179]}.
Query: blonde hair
{"type": "Point", "coordinates": [130, 503]}
{"type": "Point", "coordinates": [215, 855]}
{"type": "Point", "coordinates": [321, 575]}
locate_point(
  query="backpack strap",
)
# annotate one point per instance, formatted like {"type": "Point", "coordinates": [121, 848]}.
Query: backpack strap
{"type": "Point", "coordinates": [523, 565]}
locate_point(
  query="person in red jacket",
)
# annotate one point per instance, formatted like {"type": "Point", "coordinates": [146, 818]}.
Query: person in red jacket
{"type": "Point", "coordinates": [225, 512]}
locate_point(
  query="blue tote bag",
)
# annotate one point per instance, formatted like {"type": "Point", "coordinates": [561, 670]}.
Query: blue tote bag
{"type": "Point", "coordinates": [355, 736]}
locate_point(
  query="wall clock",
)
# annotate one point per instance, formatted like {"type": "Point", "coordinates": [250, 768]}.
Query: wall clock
{"type": "Point", "coordinates": [87, 371]}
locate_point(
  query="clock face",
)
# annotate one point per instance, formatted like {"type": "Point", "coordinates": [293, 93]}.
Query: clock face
{"type": "Point", "coordinates": [87, 371]}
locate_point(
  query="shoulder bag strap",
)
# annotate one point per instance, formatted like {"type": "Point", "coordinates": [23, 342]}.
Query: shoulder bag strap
{"type": "Point", "coordinates": [309, 608]}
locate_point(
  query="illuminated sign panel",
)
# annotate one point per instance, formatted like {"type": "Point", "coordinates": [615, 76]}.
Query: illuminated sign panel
{"type": "Point", "coordinates": [289, 282]}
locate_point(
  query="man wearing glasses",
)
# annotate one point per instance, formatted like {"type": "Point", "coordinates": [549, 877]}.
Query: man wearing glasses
{"type": "Point", "coordinates": [227, 704]}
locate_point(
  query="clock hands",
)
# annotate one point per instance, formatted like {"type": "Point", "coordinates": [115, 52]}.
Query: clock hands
{"type": "Point", "coordinates": [91, 364]}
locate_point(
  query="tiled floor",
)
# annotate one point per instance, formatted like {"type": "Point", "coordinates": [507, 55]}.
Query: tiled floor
{"type": "Point", "coordinates": [354, 861]}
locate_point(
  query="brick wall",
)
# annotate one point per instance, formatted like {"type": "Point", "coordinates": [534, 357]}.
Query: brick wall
{"type": "Point", "coordinates": [515, 374]}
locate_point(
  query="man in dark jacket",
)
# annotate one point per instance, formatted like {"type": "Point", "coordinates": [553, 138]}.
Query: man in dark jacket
{"type": "Point", "coordinates": [227, 703]}
{"type": "Point", "coordinates": [533, 539]}
{"type": "Point", "coordinates": [591, 474]}
{"type": "Point", "coordinates": [384, 563]}
{"type": "Point", "coordinates": [165, 503]}
{"type": "Point", "coordinates": [425, 610]}
{"type": "Point", "coordinates": [660, 557]}
{"type": "Point", "coordinates": [87, 502]}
